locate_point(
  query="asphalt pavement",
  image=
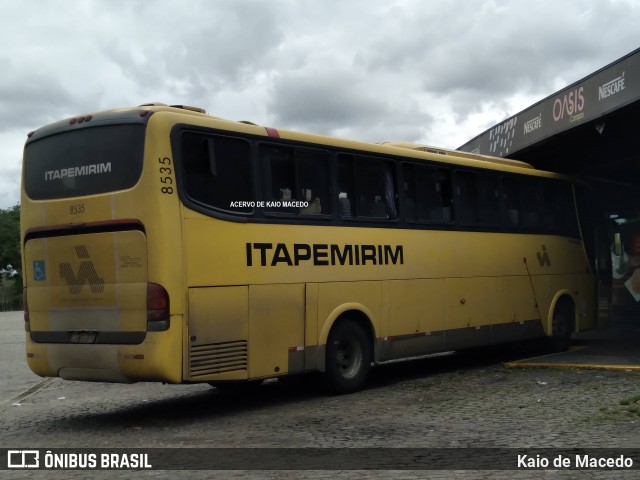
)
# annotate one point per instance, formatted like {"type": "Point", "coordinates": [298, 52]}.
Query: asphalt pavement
{"type": "Point", "coordinates": [463, 401]}
{"type": "Point", "coordinates": [614, 348]}
{"type": "Point", "coordinates": [16, 378]}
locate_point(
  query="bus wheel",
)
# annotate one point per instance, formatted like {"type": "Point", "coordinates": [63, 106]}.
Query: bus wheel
{"type": "Point", "coordinates": [562, 326]}
{"type": "Point", "coordinates": [348, 357]}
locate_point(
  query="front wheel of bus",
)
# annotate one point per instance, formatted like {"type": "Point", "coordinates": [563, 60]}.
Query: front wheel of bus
{"type": "Point", "coordinates": [563, 327]}
{"type": "Point", "coordinates": [348, 357]}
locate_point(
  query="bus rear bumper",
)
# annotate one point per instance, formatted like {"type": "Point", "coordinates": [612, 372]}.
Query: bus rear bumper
{"type": "Point", "coordinates": [93, 375]}
{"type": "Point", "coordinates": [155, 359]}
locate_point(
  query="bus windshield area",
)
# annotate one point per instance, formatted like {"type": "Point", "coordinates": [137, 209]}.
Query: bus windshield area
{"type": "Point", "coordinates": [84, 161]}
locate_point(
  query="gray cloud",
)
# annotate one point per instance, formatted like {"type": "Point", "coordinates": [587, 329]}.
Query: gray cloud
{"type": "Point", "coordinates": [475, 52]}
{"type": "Point", "coordinates": [323, 101]}
{"type": "Point", "coordinates": [200, 50]}
{"type": "Point", "coordinates": [436, 72]}
{"type": "Point", "coordinates": [27, 98]}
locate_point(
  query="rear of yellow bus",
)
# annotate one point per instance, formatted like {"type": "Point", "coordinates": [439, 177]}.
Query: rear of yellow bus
{"type": "Point", "coordinates": [102, 262]}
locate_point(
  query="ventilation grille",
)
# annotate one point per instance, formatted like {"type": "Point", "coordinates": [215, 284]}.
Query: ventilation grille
{"type": "Point", "coordinates": [217, 358]}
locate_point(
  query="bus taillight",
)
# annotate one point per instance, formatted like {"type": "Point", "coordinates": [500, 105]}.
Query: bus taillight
{"type": "Point", "coordinates": [157, 308]}
{"type": "Point", "coordinates": [27, 326]}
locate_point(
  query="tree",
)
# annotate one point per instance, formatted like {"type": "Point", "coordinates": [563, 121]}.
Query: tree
{"type": "Point", "coordinates": [10, 258]}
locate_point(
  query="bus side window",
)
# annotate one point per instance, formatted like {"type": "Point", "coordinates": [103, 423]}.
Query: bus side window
{"type": "Point", "coordinates": [312, 167]}
{"type": "Point", "coordinates": [478, 197]}
{"type": "Point", "coordinates": [390, 197]}
{"type": "Point", "coordinates": [217, 170]}
{"type": "Point", "coordinates": [558, 210]}
{"type": "Point", "coordinates": [532, 203]}
{"type": "Point", "coordinates": [376, 188]}
{"type": "Point", "coordinates": [346, 186]}
{"type": "Point", "coordinates": [427, 193]}
{"type": "Point", "coordinates": [409, 189]}
{"type": "Point", "coordinates": [467, 198]}
{"type": "Point", "coordinates": [488, 200]}
{"type": "Point", "coordinates": [299, 175]}
{"type": "Point", "coordinates": [278, 174]}
{"type": "Point", "coordinates": [548, 207]}
{"type": "Point", "coordinates": [511, 202]}
{"type": "Point", "coordinates": [446, 193]}
{"type": "Point", "coordinates": [567, 222]}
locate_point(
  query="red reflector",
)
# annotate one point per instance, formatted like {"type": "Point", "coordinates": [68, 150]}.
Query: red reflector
{"type": "Point", "coordinates": [272, 132]}
{"type": "Point", "coordinates": [30, 355]}
{"type": "Point", "coordinates": [83, 118]}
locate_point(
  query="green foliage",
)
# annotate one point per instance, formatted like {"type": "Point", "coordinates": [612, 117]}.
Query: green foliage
{"type": "Point", "coordinates": [10, 259]}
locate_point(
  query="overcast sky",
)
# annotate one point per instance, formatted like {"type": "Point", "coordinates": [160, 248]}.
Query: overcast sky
{"type": "Point", "coordinates": [431, 71]}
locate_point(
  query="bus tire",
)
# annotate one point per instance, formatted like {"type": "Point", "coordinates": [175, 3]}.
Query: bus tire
{"type": "Point", "coordinates": [348, 357]}
{"type": "Point", "coordinates": [562, 328]}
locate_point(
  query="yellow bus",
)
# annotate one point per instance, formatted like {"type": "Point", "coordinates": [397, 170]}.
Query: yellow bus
{"type": "Point", "coordinates": [164, 244]}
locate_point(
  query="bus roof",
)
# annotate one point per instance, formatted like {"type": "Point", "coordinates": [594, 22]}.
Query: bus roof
{"type": "Point", "coordinates": [444, 151]}
{"type": "Point", "coordinates": [198, 116]}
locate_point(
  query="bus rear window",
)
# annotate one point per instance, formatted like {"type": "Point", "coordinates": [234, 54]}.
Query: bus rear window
{"type": "Point", "coordinates": [84, 162]}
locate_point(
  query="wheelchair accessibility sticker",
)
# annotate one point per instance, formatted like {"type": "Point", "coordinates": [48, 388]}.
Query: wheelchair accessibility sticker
{"type": "Point", "coordinates": [39, 271]}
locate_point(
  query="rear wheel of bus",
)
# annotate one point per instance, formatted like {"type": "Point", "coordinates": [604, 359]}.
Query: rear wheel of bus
{"type": "Point", "coordinates": [562, 326]}
{"type": "Point", "coordinates": [348, 357]}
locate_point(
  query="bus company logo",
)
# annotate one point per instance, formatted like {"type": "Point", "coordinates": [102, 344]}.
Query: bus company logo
{"type": "Point", "coordinates": [533, 124]}
{"type": "Point", "coordinates": [611, 87]}
{"type": "Point", "coordinates": [322, 254]}
{"type": "Point", "coordinates": [570, 105]}
{"type": "Point", "coordinates": [86, 273]}
{"type": "Point", "coordinates": [95, 169]}
{"type": "Point", "coordinates": [23, 459]}
{"type": "Point", "coordinates": [543, 257]}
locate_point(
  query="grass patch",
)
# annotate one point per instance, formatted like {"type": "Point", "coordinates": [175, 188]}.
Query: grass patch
{"type": "Point", "coordinates": [628, 408]}
{"type": "Point", "coordinates": [632, 405]}
{"type": "Point", "coordinates": [635, 400]}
